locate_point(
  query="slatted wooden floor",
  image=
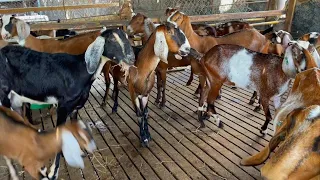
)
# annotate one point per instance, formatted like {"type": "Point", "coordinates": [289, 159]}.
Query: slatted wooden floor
{"type": "Point", "coordinates": [179, 150]}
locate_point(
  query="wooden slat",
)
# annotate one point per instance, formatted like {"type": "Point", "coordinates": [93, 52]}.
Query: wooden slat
{"type": "Point", "coordinates": [290, 14]}
{"type": "Point", "coordinates": [118, 23]}
{"type": "Point", "coordinates": [230, 16]}
{"type": "Point", "coordinates": [179, 149]}
{"type": "Point", "coordinates": [77, 25]}
{"type": "Point", "coordinates": [56, 8]}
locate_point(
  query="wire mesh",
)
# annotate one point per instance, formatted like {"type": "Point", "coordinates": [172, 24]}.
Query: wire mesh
{"type": "Point", "coordinates": [156, 8]}
{"type": "Point", "coordinates": [62, 14]}
{"type": "Point", "coordinates": [306, 18]}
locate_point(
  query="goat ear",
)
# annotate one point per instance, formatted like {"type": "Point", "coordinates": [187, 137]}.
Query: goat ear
{"type": "Point", "coordinates": [23, 29]}
{"type": "Point", "coordinates": [161, 48]}
{"type": "Point", "coordinates": [93, 54]}
{"type": "Point", "coordinates": [285, 41]}
{"type": "Point", "coordinates": [71, 150]}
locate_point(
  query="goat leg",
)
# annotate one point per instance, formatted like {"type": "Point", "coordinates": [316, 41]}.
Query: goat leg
{"type": "Point", "coordinates": [203, 96]}
{"type": "Point", "coordinates": [212, 111]}
{"type": "Point", "coordinates": [163, 89]}
{"type": "Point", "coordinates": [157, 101]}
{"type": "Point", "coordinates": [106, 70]}
{"type": "Point", "coordinates": [143, 123]}
{"type": "Point", "coordinates": [258, 108]}
{"type": "Point", "coordinates": [265, 105]}
{"type": "Point", "coordinates": [43, 174]}
{"type": "Point", "coordinates": [190, 78]}
{"type": "Point", "coordinates": [12, 170]}
{"type": "Point", "coordinates": [116, 93]}
{"type": "Point", "coordinates": [54, 169]}
{"type": "Point", "coordinates": [253, 98]}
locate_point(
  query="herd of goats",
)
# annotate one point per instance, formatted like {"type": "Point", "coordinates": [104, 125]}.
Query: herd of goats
{"type": "Point", "coordinates": [61, 72]}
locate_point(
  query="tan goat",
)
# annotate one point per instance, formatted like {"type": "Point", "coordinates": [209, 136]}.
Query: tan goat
{"type": "Point", "coordinates": [297, 125]}
{"type": "Point", "coordinates": [33, 149]}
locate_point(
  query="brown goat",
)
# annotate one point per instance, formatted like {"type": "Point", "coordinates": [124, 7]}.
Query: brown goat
{"type": "Point", "coordinates": [267, 74]}
{"type": "Point", "coordinates": [144, 25]}
{"type": "Point", "coordinates": [297, 125]}
{"type": "Point", "coordinates": [231, 26]}
{"type": "Point", "coordinates": [141, 78]}
{"type": "Point", "coordinates": [35, 148]}
{"type": "Point", "coordinates": [220, 30]}
{"type": "Point", "coordinates": [250, 39]}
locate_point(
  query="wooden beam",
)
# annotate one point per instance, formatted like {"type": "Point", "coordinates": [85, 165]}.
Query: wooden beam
{"type": "Point", "coordinates": [289, 15]}
{"type": "Point", "coordinates": [230, 16]}
{"type": "Point", "coordinates": [55, 8]}
{"type": "Point", "coordinates": [77, 25]}
{"type": "Point", "coordinates": [267, 23]}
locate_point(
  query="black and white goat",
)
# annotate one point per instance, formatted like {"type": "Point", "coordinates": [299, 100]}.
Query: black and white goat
{"type": "Point", "coordinates": [28, 76]}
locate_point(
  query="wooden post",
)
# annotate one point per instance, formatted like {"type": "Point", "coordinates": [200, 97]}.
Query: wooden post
{"type": "Point", "coordinates": [289, 15]}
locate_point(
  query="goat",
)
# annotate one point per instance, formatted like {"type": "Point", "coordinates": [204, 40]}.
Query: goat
{"type": "Point", "coordinates": [35, 148]}
{"type": "Point", "coordinates": [297, 125]}
{"type": "Point", "coordinates": [280, 40]}
{"type": "Point", "coordinates": [142, 24]}
{"type": "Point", "coordinates": [219, 30]}
{"type": "Point", "coordinates": [19, 30]}
{"type": "Point", "coordinates": [63, 79]}
{"type": "Point", "coordinates": [250, 39]}
{"type": "Point", "coordinates": [267, 74]}
{"type": "Point", "coordinates": [141, 77]}
{"type": "Point", "coordinates": [231, 26]}
{"type": "Point", "coordinates": [313, 38]}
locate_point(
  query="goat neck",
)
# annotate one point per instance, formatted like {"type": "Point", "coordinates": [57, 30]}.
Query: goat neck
{"type": "Point", "coordinates": [32, 43]}
{"type": "Point", "coordinates": [200, 43]}
{"type": "Point", "coordinates": [147, 61]}
{"type": "Point", "coordinates": [148, 28]}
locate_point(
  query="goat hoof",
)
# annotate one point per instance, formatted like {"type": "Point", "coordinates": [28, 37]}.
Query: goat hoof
{"type": "Point", "coordinates": [220, 125]}
{"type": "Point", "coordinates": [145, 142]}
{"type": "Point", "coordinates": [257, 109]}
{"type": "Point", "coordinates": [219, 97]}
{"type": "Point", "coordinates": [188, 83]}
{"type": "Point", "coordinates": [114, 110]}
{"type": "Point", "coordinates": [156, 102]}
{"type": "Point", "coordinates": [113, 97]}
{"type": "Point", "coordinates": [103, 104]}
{"type": "Point", "coordinates": [202, 125]}
{"type": "Point", "coordinates": [162, 105]}
{"type": "Point", "coordinates": [263, 132]}
{"type": "Point", "coordinates": [233, 87]}
{"type": "Point", "coordinates": [251, 102]}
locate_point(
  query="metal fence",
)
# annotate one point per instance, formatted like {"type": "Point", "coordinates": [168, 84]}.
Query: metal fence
{"type": "Point", "coordinates": [156, 8]}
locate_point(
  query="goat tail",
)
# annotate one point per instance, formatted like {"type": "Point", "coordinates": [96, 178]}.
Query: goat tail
{"type": "Point", "coordinates": [263, 155]}
{"type": "Point", "coordinates": [256, 159]}
{"type": "Point", "coordinates": [93, 54]}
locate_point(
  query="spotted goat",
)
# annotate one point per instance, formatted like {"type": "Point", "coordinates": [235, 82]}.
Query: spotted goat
{"type": "Point", "coordinates": [269, 75]}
